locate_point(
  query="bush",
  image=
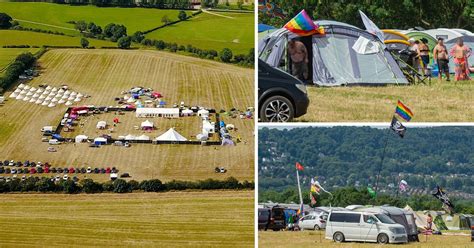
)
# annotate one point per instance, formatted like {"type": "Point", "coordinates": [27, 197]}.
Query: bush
{"type": "Point", "coordinates": [84, 42]}
{"type": "Point", "coordinates": [182, 15]}
{"type": "Point", "coordinates": [124, 42]}
{"type": "Point", "coordinates": [45, 185]}
{"type": "Point", "coordinates": [70, 187]}
{"type": "Point", "coordinates": [5, 21]}
{"type": "Point", "coordinates": [90, 187]}
{"type": "Point", "coordinates": [159, 44]}
{"type": "Point", "coordinates": [153, 185]}
{"type": "Point", "coordinates": [225, 55]}
{"type": "Point", "coordinates": [121, 186]}
{"type": "Point", "coordinates": [134, 185]}
{"type": "Point", "coordinates": [138, 37]}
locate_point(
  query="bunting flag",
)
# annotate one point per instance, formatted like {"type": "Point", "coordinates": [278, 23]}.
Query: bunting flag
{"type": "Point", "coordinates": [316, 187]}
{"type": "Point", "coordinates": [372, 192]}
{"type": "Point", "coordinates": [403, 111]}
{"type": "Point", "coordinates": [371, 27]}
{"type": "Point", "coordinates": [398, 127]}
{"type": "Point", "coordinates": [443, 197]}
{"type": "Point", "coordinates": [313, 199]}
{"type": "Point", "coordinates": [302, 25]}
{"type": "Point", "coordinates": [403, 185]}
{"type": "Point", "coordinates": [299, 166]}
{"type": "Point", "coordinates": [300, 211]}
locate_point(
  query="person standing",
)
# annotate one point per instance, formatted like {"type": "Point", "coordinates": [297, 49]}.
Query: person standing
{"type": "Point", "coordinates": [424, 52]}
{"type": "Point", "coordinates": [460, 53]}
{"type": "Point", "coordinates": [429, 223]}
{"type": "Point", "coordinates": [440, 55]}
{"type": "Point", "coordinates": [299, 59]}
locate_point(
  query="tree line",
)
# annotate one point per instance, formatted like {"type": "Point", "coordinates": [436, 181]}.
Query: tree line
{"type": "Point", "coordinates": [386, 14]}
{"type": "Point", "coordinates": [345, 196]}
{"type": "Point", "coordinates": [89, 186]}
{"type": "Point", "coordinates": [159, 4]}
{"type": "Point", "coordinates": [21, 63]}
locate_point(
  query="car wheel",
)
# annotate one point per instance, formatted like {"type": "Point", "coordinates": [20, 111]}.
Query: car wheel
{"type": "Point", "coordinates": [382, 238]}
{"type": "Point", "coordinates": [277, 109]}
{"type": "Point", "coordinates": [316, 227]}
{"type": "Point", "coordinates": [338, 237]}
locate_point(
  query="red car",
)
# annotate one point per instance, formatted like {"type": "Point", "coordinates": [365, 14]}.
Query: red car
{"type": "Point", "coordinates": [71, 170]}
{"type": "Point", "coordinates": [32, 171]}
{"type": "Point", "coordinates": [107, 170]}
{"type": "Point", "coordinates": [46, 169]}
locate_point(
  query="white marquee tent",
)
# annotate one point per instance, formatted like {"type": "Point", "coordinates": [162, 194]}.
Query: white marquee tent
{"type": "Point", "coordinates": [171, 135]}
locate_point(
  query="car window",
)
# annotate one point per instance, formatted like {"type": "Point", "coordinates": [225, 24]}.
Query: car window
{"type": "Point", "coordinates": [345, 217]}
{"type": "Point", "coordinates": [384, 219]}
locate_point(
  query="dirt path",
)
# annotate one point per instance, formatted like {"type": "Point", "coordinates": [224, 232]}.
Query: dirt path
{"type": "Point", "coordinates": [211, 13]}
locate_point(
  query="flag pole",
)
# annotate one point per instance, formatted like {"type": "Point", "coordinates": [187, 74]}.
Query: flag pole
{"type": "Point", "coordinates": [381, 162]}
{"type": "Point", "coordinates": [299, 188]}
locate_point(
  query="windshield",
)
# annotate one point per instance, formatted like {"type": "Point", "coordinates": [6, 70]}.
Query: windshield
{"type": "Point", "coordinates": [385, 219]}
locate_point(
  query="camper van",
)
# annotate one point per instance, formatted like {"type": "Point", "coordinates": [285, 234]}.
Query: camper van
{"type": "Point", "coordinates": [47, 129]}
{"type": "Point", "coordinates": [271, 218]}
{"type": "Point", "coordinates": [364, 227]}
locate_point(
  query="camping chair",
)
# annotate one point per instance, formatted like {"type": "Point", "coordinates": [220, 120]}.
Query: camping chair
{"type": "Point", "coordinates": [404, 58]}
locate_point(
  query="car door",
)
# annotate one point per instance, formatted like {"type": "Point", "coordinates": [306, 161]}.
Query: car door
{"type": "Point", "coordinates": [368, 228]}
{"type": "Point", "coordinates": [351, 226]}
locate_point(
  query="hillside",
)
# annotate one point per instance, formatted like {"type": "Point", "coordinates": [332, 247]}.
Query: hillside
{"type": "Point", "coordinates": [350, 156]}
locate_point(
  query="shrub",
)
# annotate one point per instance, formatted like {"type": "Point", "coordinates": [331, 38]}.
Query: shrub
{"type": "Point", "coordinates": [89, 186]}
{"type": "Point", "coordinates": [70, 187]}
{"type": "Point", "coordinates": [121, 186]}
{"type": "Point", "coordinates": [124, 42]}
{"type": "Point", "coordinates": [153, 185]}
{"type": "Point", "coordinates": [225, 55]}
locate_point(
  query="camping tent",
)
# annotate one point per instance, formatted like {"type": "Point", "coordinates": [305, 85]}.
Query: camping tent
{"type": "Point", "coordinates": [417, 35]}
{"type": "Point", "coordinates": [203, 113]}
{"type": "Point", "coordinates": [457, 221]}
{"type": "Point", "coordinates": [333, 60]}
{"type": "Point", "coordinates": [421, 219]}
{"type": "Point", "coordinates": [445, 33]}
{"type": "Point", "coordinates": [80, 138]}
{"type": "Point", "coordinates": [101, 125]}
{"type": "Point", "coordinates": [100, 141]}
{"type": "Point", "coordinates": [171, 135]}
{"type": "Point", "coordinates": [142, 137]}
{"type": "Point", "coordinates": [187, 112]}
{"type": "Point", "coordinates": [390, 34]}
{"type": "Point", "coordinates": [147, 125]}
{"type": "Point", "coordinates": [130, 137]}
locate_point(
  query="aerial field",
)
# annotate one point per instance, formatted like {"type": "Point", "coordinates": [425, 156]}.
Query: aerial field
{"type": "Point", "coordinates": [198, 219]}
{"type": "Point", "coordinates": [104, 74]}
{"type": "Point", "coordinates": [7, 55]}
{"type": "Point", "coordinates": [54, 17]}
{"type": "Point", "coordinates": [15, 37]}
{"type": "Point", "coordinates": [440, 101]}
{"type": "Point", "coordinates": [212, 30]}
{"type": "Point", "coordinates": [316, 239]}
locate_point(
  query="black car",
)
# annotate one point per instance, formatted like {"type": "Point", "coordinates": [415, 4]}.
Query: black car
{"type": "Point", "coordinates": [281, 97]}
{"type": "Point", "coordinates": [271, 218]}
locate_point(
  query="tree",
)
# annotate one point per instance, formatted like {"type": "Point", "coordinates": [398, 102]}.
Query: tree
{"type": "Point", "coordinates": [81, 26]}
{"type": "Point", "coordinates": [138, 37]}
{"type": "Point", "coordinates": [124, 42]}
{"type": "Point", "coordinates": [225, 55]}
{"type": "Point", "coordinates": [5, 21]}
{"type": "Point", "coordinates": [165, 20]}
{"type": "Point", "coordinates": [84, 42]}
{"type": "Point", "coordinates": [121, 186]}
{"type": "Point", "coordinates": [109, 30]}
{"type": "Point", "coordinates": [160, 45]}
{"type": "Point", "coordinates": [240, 4]}
{"type": "Point", "coordinates": [70, 187]}
{"type": "Point", "coordinates": [89, 186]}
{"type": "Point", "coordinates": [182, 15]}
{"type": "Point", "coordinates": [153, 185]}
{"type": "Point", "coordinates": [119, 31]}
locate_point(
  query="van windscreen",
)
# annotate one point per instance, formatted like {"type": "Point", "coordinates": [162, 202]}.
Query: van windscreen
{"type": "Point", "coordinates": [385, 219]}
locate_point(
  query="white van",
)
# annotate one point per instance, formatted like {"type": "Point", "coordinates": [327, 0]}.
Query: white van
{"type": "Point", "coordinates": [47, 129]}
{"type": "Point", "coordinates": [364, 227]}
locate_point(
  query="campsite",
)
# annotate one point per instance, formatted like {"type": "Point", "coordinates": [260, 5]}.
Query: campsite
{"type": "Point", "coordinates": [381, 65]}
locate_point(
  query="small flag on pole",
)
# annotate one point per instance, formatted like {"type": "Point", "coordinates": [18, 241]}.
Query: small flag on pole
{"type": "Point", "coordinates": [443, 197]}
{"type": "Point", "coordinates": [313, 199]}
{"type": "Point", "coordinates": [372, 192]}
{"type": "Point", "coordinates": [398, 127]}
{"type": "Point", "coordinates": [300, 210]}
{"type": "Point", "coordinates": [299, 166]}
{"type": "Point", "coordinates": [403, 111]}
{"type": "Point", "coordinates": [302, 25]}
{"type": "Point", "coordinates": [403, 185]}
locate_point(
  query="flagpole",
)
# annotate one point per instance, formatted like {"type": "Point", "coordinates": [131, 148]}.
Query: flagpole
{"type": "Point", "coordinates": [381, 162]}
{"type": "Point", "coordinates": [299, 188]}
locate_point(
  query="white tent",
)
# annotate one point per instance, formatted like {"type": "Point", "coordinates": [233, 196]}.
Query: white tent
{"type": "Point", "coordinates": [32, 89]}
{"type": "Point", "coordinates": [130, 100]}
{"type": "Point", "coordinates": [45, 103]}
{"type": "Point", "coordinates": [68, 103]}
{"type": "Point", "coordinates": [23, 92]}
{"type": "Point", "coordinates": [77, 99]}
{"type": "Point", "coordinates": [19, 97]}
{"type": "Point", "coordinates": [130, 137]}
{"type": "Point", "coordinates": [51, 105]}
{"type": "Point", "coordinates": [27, 98]}
{"type": "Point", "coordinates": [171, 135]}
{"type": "Point", "coordinates": [187, 112]}
{"type": "Point", "coordinates": [64, 97]}
{"type": "Point", "coordinates": [21, 86]}
{"type": "Point", "coordinates": [13, 95]}
{"type": "Point", "coordinates": [207, 127]}
{"type": "Point", "coordinates": [61, 91]}
{"type": "Point", "coordinates": [36, 95]}
{"type": "Point", "coordinates": [73, 94]}
{"type": "Point", "coordinates": [80, 138]}
{"type": "Point", "coordinates": [79, 95]}
{"type": "Point", "coordinates": [101, 125]}
{"type": "Point", "coordinates": [61, 101]}
{"type": "Point", "coordinates": [39, 91]}
{"type": "Point", "coordinates": [42, 97]}
{"type": "Point", "coordinates": [71, 98]}
{"type": "Point", "coordinates": [54, 89]}
{"type": "Point", "coordinates": [38, 101]}
{"type": "Point", "coordinates": [29, 93]}
{"type": "Point", "coordinates": [27, 87]}
{"type": "Point", "coordinates": [48, 87]}
{"type": "Point", "coordinates": [48, 98]}
{"type": "Point", "coordinates": [147, 124]}
{"type": "Point", "coordinates": [54, 100]}
{"type": "Point", "coordinates": [67, 92]}
{"type": "Point", "coordinates": [143, 137]}
{"type": "Point", "coordinates": [18, 90]}
{"type": "Point", "coordinates": [203, 112]}
{"type": "Point", "coordinates": [33, 99]}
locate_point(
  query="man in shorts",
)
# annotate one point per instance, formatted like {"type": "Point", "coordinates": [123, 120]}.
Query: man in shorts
{"type": "Point", "coordinates": [299, 59]}
{"type": "Point", "coordinates": [440, 55]}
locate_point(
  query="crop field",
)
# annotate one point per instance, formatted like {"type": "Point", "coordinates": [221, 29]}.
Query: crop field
{"type": "Point", "coordinates": [15, 37]}
{"type": "Point", "coordinates": [7, 55]}
{"type": "Point", "coordinates": [104, 74]}
{"type": "Point", "coordinates": [197, 219]}
{"type": "Point", "coordinates": [316, 239]}
{"type": "Point", "coordinates": [440, 101]}
{"type": "Point", "coordinates": [217, 30]}
{"type": "Point", "coordinates": [54, 17]}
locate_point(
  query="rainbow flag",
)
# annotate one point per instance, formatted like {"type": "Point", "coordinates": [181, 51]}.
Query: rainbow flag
{"type": "Point", "coordinates": [302, 25]}
{"type": "Point", "coordinates": [403, 111]}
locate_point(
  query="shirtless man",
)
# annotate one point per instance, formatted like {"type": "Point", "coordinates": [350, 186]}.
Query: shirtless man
{"type": "Point", "coordinates": [299, 58]}
{"type": "Point", "coordinates": [440, 55]}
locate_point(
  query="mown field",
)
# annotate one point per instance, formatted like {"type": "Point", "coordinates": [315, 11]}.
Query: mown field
{"type": "Point", "coordinates": [15, 37]}
{"type": "Point", "coordinates": [198, 219]}
{"type": "Point", "coordinates": [7, 55]}
{"type": "Point", "coordinates": [35, 15]}
{"type": "Point", "coordinates": [316, 239]}
{"type": "Point", "coordinates": [438, 102]}
{"type": "Point", "coordinates": [212, 30]}
{"type": "Point", "coordinates": [103, 74]}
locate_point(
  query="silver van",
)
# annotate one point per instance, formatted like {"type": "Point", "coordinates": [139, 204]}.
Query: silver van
{"type": "Point", "coordinates": [364, 227]}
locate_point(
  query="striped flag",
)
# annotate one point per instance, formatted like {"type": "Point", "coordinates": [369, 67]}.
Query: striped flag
{"type": "Point", "coordinates": [403, 111]}
{"type": "Point", "coordinates": [302, 25]}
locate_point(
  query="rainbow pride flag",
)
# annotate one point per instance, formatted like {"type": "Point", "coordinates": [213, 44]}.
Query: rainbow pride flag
{"type": "Point", "coordinates": [302, 25]}
{"type": "Point", "coordinates": [403, 111]}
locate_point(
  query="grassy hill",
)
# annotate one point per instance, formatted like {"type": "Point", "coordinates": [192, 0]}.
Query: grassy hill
{"type": "Point", "coordinates": [170, 219]}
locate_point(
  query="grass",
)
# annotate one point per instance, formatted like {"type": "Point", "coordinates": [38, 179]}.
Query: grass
{"type": "Point", "coordinates": [438, 102]}
{"type": "Point", "coordinates": [208, 31]}
{"type": "Point", "coordinates": [316, 239]}
{"type": "Point", "coordinates": [7, 55]}
{"type": "Point", "coordinates": [198, 219]}
{"type": "Point", "coordinates": [135, 19]}
{"type": "Point", "coordinates": [15, 37]}
{"type": "Point", "coordinates": [103, 74]}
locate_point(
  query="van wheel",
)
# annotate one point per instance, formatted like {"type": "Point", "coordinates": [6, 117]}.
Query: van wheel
{"type": "Point", "coordinates": [338, 237]}
{"type": "Point", "coordinates": [277, 109]}
{"type": "Point", "coordinates": [316, 227]}
{"type": "Point", "coordinates": [382, 238]}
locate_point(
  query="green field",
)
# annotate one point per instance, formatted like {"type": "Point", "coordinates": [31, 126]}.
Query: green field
{"type": "Point", "coordinates": [14, 37]}
{"type": "Point", "coordinates": [234, 31]}
{"type": "Point", "coordinates": [438, 102]}
{"type": "Point", "coordinates": [316, 239]}
{"type": "Point", "coordinates": [7, 55]}
{"type": "Point", "coordinates": [198, 219]}
{"type": "Point", "coordinates": [135, 19]}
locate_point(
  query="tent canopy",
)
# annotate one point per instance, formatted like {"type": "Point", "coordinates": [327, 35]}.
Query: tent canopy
{"type": "Point", "coordinates": [171, 135]}
{"type": "Point", "coordinates": [334, 62]}
{"type": "Point", "coordinates": [80, 138]}
{"type": "Point", "coordinates": [147, 124]}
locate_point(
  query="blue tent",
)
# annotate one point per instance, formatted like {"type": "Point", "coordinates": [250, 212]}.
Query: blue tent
{"type": "Point", "coordinates": [57, 136]}
{"type": "Point", "coordinates": [264, 27]}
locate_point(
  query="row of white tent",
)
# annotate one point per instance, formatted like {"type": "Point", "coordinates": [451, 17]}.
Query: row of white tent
{"type": "Point", "coordinates": [48, 97]}
{"type": "Point", "coordinates": [170, 135]}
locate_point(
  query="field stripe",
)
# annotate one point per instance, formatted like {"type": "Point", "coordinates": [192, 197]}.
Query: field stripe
{"type": "Point", "coordinates": [44, 24]}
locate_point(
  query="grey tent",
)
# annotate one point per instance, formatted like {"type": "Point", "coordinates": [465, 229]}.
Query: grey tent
{"type": "Point", "coordinates": [333, 61]}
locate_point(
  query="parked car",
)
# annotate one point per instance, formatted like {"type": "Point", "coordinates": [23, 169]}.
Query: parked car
{"type": "Point", "coordinates": [271, 218]}
{"type": "Point", "coordinates": [364, 227]}
{"type": "Point", "coordinates": [281, 97]}
{"type": "Point", "coordinates": [314, 221]}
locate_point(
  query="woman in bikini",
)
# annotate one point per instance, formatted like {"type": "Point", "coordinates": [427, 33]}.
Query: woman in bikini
{"type": "Point", "coordinates": [460, 53]}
